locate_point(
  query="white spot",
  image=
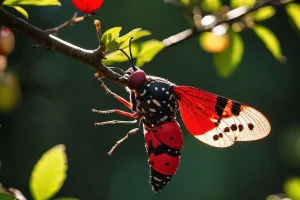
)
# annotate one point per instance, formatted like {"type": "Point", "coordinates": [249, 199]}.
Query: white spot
{"type": "Point", "coordinates": [138, 102]}
{"type": "Point", "coordinates": [148, 101]}
{"type": "Point", "coordinates": [171, 109]}
{"type": "Point", "coordinates": [156, 178]}
{"type": "Point", "coordinates": [168, 105]}
{"type": "Point", "coordinates": [143, 111]}
{"type": "Point", "coordinates": [164, 182]}
{"type": "Point", "coordinates": [168, 177]}
{"type": "Point", "coordinates": [164, 102]}
{"type": "Point", "coordinates": [167, 92]}
{"type": "Point", "coordinates": [156, 102]}
{"type": "Point", "coordinates": [169, 150]}
{"type": "Point", "coordinates": [156, 88]}
{"type": "Point", "coordinates": [160, 112]}
{"type": "Point", "coordinates": [163, 89]}
{"type": "Point", "coordinates": [157, 122]}
{"type": "Point", "coordinates": [176, 151]}
{"type": "Point", "coordinates": [144, 92]}
{"type": "Point", "coordinates": [148, 84]}
{"type": "Point", "coordinates": [152, 110]}
{"type": "Point", "coordinates": [164, 118]}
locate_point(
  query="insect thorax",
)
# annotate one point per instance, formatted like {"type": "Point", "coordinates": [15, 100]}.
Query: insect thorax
{"type": "Point", "coordinates": [157, 102]}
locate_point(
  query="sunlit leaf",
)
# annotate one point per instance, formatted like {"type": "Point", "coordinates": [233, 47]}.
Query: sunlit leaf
{"type": "Point", "coordinates": [32, 2]}
{"type": "Point", "coordinates": [140, 34]}
{"type": "Point", "coordinates": [270, 40]}
{"type": "Point", "coordinates": [124, 40]}
{"type": "Point", "coordinates": [213, 43]}
{"type": "Point", "coordinates": [263, 13]}
{"type": "Point", "coordinates": [4, 196]}
{"type": "Point", "coordinates": [185, 2]}
{"type": "Point", "coordinates": [21, 10]}
{"type": "Point", "coordinates": [228, 60]}
{"type": "Point", "coordinates": [66, 198]}
{"type": "Point", "coordinates": [293, 10]}
{"type": "Point", "coordinates": [238, 3]}
{"type": "Point", "coordinates": [291, 188]}
{"type": "Point", "coordinates": [110, 35]}
{"type": "Point", "coordinates": [148, 51]}
{"type": "Point", "coordinates": [49, 173]}
{"type": "Point", "coordinates": [118, 56]}
{"type": "Point", "coordinates": [211, 5]}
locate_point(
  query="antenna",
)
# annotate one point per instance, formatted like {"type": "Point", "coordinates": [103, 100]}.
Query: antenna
{"type": "Point", "coordinates": [130, 58]}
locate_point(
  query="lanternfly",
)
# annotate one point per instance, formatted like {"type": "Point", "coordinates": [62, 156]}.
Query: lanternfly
{"type": "Point", "coordinates": [210, 118]}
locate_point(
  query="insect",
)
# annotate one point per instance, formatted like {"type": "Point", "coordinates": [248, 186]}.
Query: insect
{"type": "Point", "coordinates": [212, 119]}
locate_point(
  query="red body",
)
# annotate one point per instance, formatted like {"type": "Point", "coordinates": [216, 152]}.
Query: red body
{"type": "Point", "coordinates": [168, 134]}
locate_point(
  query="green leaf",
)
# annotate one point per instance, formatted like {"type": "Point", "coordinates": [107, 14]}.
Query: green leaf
{"type": "Point", "coordinates": [239, 3]}
{"type": "Point", "coordinates": [140, 34]}
{"type": "Point", "coordinates": [228, 60]}
{"type": "Point", "coordinates": [148, 51]}
{"type": "Point", "coordinates": [110, 35]}
{"type": "Point", "coordinates": [263, 13]}
{"type": "Point", "coordinates": [49, 173]}
{"type": "Point", "coordinates": [291, 188]}
{"type": "Point", "coordinates": [4, 196]}
{"type": "Point", "coordinates": [270, 40]}
{"type": "Point", "coordinates": [21, 10]}
{"type": "Point", "coordinates": [293, 10]}
{"type": "Point", "coordinates": [211, 5]}
{"type": "Point", "coordinates": [32, 2]}
{"type": "Point", "coordinates": [124, 40]}
{"type": "Point", "coordinates": [185, 2]}
{"type": "Point", "coordinates": [66, 198]}
{"type": "Point", "coordinates": [118, 56]}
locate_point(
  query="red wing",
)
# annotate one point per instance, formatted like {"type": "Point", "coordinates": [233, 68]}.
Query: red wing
{"type": "Point", "coordinates": [219, 121]}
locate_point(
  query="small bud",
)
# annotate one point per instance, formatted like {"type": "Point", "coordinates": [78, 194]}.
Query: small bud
{"type": "Point", "coordinates": [7, 40]}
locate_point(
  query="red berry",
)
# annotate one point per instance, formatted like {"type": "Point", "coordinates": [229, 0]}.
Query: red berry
{"type": "Point", "coordinates": [87, 6]}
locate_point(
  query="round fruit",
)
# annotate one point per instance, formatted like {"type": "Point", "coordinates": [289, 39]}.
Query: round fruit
{"type": "Point", "coordinates": [87, 6]}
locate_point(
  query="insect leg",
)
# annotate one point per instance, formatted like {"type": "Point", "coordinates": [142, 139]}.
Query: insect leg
{"type": "Point", "coordinates": [115, 122]}
{"type": "Point", "coordinates": [122, 140]}
{"type": "Point", "coordinates": [123, 101]}
{"type": "Point", "coordinates": [120, 112]}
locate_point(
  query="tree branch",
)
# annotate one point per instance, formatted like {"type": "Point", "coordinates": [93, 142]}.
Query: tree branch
{"type": "Point", "coordinates": [90, 57]}
{"type": "Point", "coordinates": [93, 57]}
{"type": "Point", "coordinates": [230, 17]}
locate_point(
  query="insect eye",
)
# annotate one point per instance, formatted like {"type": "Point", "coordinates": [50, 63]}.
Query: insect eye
{"type": "Point", "coordinates": [136, 80]}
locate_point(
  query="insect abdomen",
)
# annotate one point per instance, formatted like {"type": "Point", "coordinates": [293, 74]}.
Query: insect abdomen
{"type": "Point", "coordinates": [163, 144]}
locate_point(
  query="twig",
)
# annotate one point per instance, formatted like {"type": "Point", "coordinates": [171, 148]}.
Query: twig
{"type": "Point", "coordinates": [55, 30]}
{"type": "Point", "coordinates": [229, 17]}
{"type": "Point", "coordinates": [89, 57]}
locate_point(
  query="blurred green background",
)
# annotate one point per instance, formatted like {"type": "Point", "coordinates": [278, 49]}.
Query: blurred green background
{"type": "Point", "coordinates": [58, 94]}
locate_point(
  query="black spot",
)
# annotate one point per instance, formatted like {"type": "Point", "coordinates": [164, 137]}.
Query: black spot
{"type": "Point", "coordinates": [251, 126]}
{"type": "Point", "coordinates": [216, 123]}
{"type": "Point", "coordinates": [160, 127]}
{"type": "Point", "coordinates": [150, 141]}
{"type": "Point", "coordinates": [220, 135]}
{"type": "Point", "coordinates": [220, 105]}
{"type": "Point", "coordinates": [241, 127]}
{"type": "Point", "coordinates": [233, 127]}
{"type": "Point", "coordinates": [171, 138]}
{"type": "Point", "coordinates": [236, 108]}
{"type": "Point", "coordinates": [152, 163]}
{"type": "Point", "coordinates": [215, 137]}
{"type": "Point", "coordinates": [235, 137]}
{"type": "Point", "coordinates": [167, 164]}
{"type": "Point", "coordinates": [226, 129]}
